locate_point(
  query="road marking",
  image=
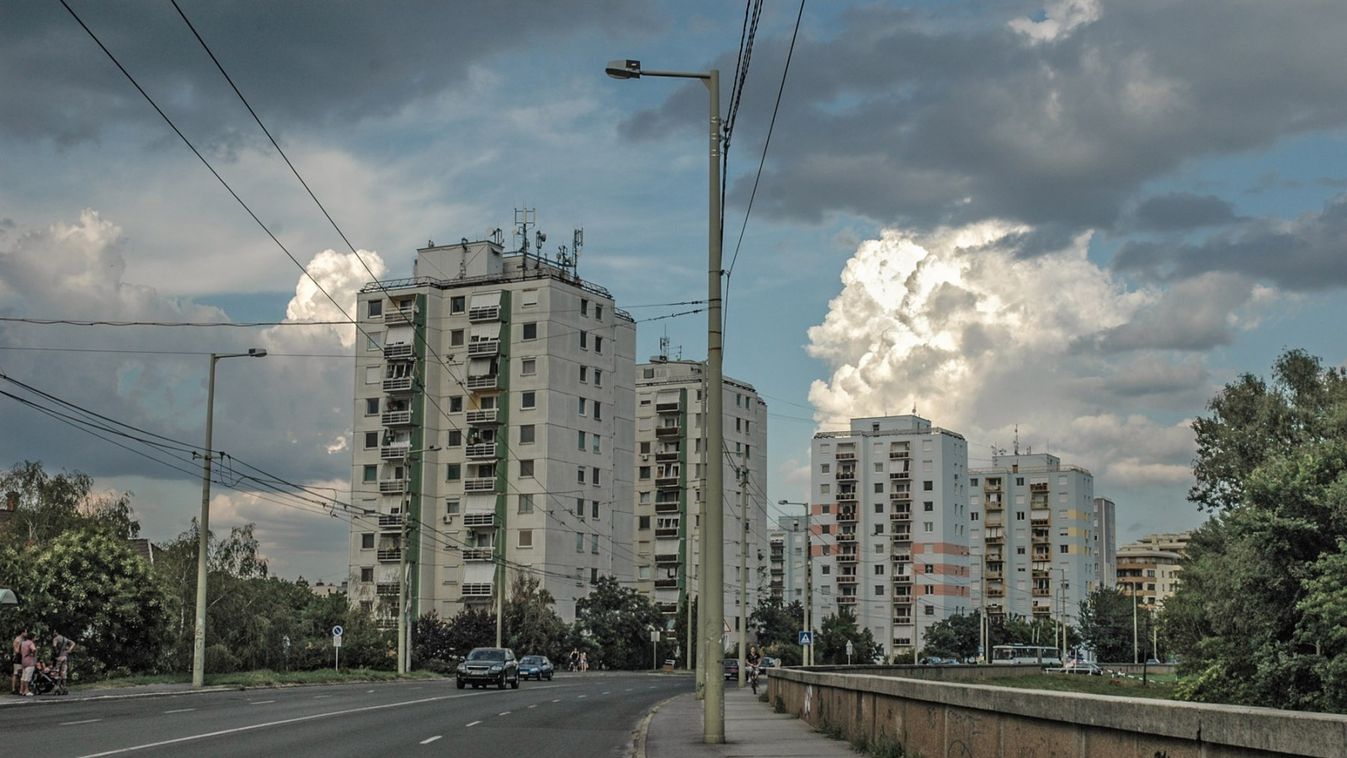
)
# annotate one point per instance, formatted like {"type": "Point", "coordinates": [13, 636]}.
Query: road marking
{"type": "Point", "coordinates": [368, 691]}
{"type": "Point", "coordinates": [85, 721]}
{"type": "Point", "coordinates": [503, 713]}
{"type": "Point", "coordinates": [629, 689]}
{"type": "Point", "coordinates": [320, 697]}
{"type": "Point", "coordinates": [474, 723]}
{"type": "Point", "coordinates": [429, 740]}
{"type": "Point", "coordinates": [296, 720]}
{"type": "Point", "coordinates": [180, 710]}
{"type": "Point", "coordinates": [607, 692]}
{"type": "Point", "coordinates": [535, 705]}
{"type": "Point", "coordinates": [558, 700]}
{"type": "Point", "coordinates": [584, 696]}
{"type": "Point", "coordinates": [260, 702]}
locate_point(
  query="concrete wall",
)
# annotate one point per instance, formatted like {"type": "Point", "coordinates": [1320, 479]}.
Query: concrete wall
{"type": "Point", "coordinates": [975, 673]}
{"type": "Point", "coordinates": [936, 718]}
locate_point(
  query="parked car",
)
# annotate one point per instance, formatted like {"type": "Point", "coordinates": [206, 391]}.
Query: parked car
{"type": "Point", "coordinates": [489, 665]}
{"type": "Point", "coordinates": [535, 667]}
{"type": "Point", "coordinates": [768, 662]}
{"type": "Point", "coordinates": [731, 668]}
{"type": "Point", "coordinates": [1152, 662]}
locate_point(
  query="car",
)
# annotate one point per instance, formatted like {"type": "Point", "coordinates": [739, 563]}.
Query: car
{"type": "Point", "coordinates": [1152, 662]}
{"type": "Point", "coordinates": [731, 668]}
{"type": "Point", "coordinates": [768, 663]}
{"type": "Point", "coordinates": [489, 665]}
{"type": "Point", "coordinates": [535, 667]}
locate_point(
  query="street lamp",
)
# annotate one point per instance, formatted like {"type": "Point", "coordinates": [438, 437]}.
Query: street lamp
{"type": "Point", "coordinates": [404, 605]}
{"type": "Point", "coordinates": [807, 654]}
{"type": "Point", "coordinates": [713, 530]}
{"type": "Point", "coordinates": [203, 532]}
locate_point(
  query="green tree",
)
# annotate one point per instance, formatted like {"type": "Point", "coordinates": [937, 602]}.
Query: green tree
{"type": "Point", "coordinates": [956, 636]}
{"type": "Point", "coordinates": [680, 632]}
{"type": "Point", "coordinates": [1106, 617]}
{"type": "Point", "coordinates": [532, 626]}
{"type": "Point", "coordinates": [830, 645]}
{"type": "Point", "coordinates": [614, 623]}
{"type": "Point", "coordinates": [49, 505]}
{"type": "Point", "coordinates": [471, 628]}
{"type": "Point", "coordinates": [432, 646]}
{"type": "Point", "coordinates": [775, 622]}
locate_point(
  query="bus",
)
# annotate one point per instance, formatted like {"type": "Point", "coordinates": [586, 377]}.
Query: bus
{"type": "Point", "coordinates": [1007, 654]}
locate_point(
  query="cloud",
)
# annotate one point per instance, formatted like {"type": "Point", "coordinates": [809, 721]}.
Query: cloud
{"type": "Point", "coordinates": [1183, 210]}
{"type": "Point", "coordinates": [1193, 315]}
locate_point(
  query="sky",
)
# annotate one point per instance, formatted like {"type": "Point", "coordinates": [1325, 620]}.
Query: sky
{"type": "Point", "coordinates": [1071, 220]}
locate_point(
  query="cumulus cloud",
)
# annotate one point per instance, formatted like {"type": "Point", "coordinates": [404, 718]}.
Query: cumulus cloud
{"type": "Point", "coordinates": [1177, 211]}
{"type": "Point", "coordinates": [1195, 315]}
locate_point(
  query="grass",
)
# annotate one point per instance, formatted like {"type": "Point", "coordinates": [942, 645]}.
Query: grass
{"type": "Point", "coordinates": [261, 678]}
{"type": "Point", "coordinates": [1094, 685]}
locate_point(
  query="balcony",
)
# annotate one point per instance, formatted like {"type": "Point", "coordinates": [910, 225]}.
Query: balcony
{"type": "Point", "coordinates": [480, 484]}
{"type": "Point", "coordinates": [846, 497]}
{"type": "Point", "coordinates": [778, 570]}
{"type": "Point", "coordinates": [991, 592]}
{"type": "Point", "coordinates": [484, 348]}
{"type": "Point", "coordinates": [484, 416]}
{"type": "Point", "coordinates": [900, 495]}
{"type": "Point", "coordinates": [666, 584]}
{"type": "Point", "coordinates": [846, 455]}
{"type": "Point", "coordinates": [898, 455]}
{"type": "Point", "coordinates": [390, 521]}
{"type": "Point", "coordinates": [848, 557]}
{"type": "Point", "coordinates": [1038, 487]}
{"type": "Point", "coordinates": [1042, 592]}
{"type": "Point", "coordinates": [902, 594]}
{"type": "Point", "coordinates": [992, 486]}
{"type": "Point", "coordinates": [1040, 518]}
{"type": "Point", "coordinates": [666, 532]}
{"type": "Point", "coordinates": [386, 589]}
{"type": "Point", "coordinates": [846, 599]}
{"type": "Point", "coordinates": [666, 481]}
{"type": "Point", "coordinates": [478, 554]}
{"type": "Point", "coordinates": [396, 316]}
{"type": "Point", "coordinates": [666, 429]}
{"type": "Point", "coordinates": [399, 351]}
{"type": "Point", "coordinates": [395, 452]}
{"type": "Point", "coordinates": [390, 554]}
{"type": "Point", "coordinates": [667, 608]}
{"type": "Point", "coordinates": [846, 474]}
{"type": "Point", "coordinates": [899, 476]}
{"type": "Point", "coordinates": [392, 486]}
{"type": "Point", "coordinates": [479, 520]}
{"type": "Point", "coordinates": [398, 384]}
{"type": "Point", "coordinates": [902, 579]}
{"type": "Point", "coordinates": [902, 620]}
{"type": "Point", "coordinates": [667, 506]}
{"type": "Point", "coordinates": [666, 558]}
{"type": "Point", "coordinates": [478, 589]}
{"type": "Point", "coordinates": [847, 578]}
{"type": "Point", "coordinates": [846, 536]}
{"type": "Point", "coordinates": [488, 382]}
{"type": "Point", "coordinates": [666, 456]}
{"type": "Point", "coordinates": [396, 418]}
{"type": "Point", "coordinates": [901, 516]}
{"type": "Point", "coordinates": [668, 407]}
{"type": "Point", "coordinates": [481, 313]}
{"type": "Point", "coordinates": [846, 515]}
{"type": "Point", "coordinates": [480, 451]}
{"type": "Point", "coordinates": [902, 536]}
{"type": "Point", "coordinates": [994, 575]}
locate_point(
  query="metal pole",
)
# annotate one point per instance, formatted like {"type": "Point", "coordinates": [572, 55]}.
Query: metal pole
{"type": "Point", "coordinates": [713, 720]}
{"type": "Point", "coordinates": [808, 652]}
{"type": "Point", "coordinates": [1136, 648]}
{"type": "Point", "coordinates": [500, 595]}
{"type": "Point", "coordinates": [916, 625]}
{"type": "Point", "coordinates": [743, 574]}
{"type": "Point", "coordinates": [203, 539]}
{"type": "Point", "coordinates": [702, 548]}
{"type": "Point", "coordinates": [404, 653]}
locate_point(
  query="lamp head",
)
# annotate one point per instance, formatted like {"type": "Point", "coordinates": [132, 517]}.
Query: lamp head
{"type": "Point", "coordinates": [623, 69]}
{"type": "Point", "coordinates": [257, 352]}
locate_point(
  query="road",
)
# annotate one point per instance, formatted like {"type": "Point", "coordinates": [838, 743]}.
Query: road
{"type": "Point", "coordinates": [590, 714]}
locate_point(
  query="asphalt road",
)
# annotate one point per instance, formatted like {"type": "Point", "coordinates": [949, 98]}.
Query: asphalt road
{"type": "Point", "coordinates": [591, 714]}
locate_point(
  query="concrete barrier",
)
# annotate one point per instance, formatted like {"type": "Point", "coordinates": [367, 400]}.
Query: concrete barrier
{"type": "Point", "coordinates": [945, 718]}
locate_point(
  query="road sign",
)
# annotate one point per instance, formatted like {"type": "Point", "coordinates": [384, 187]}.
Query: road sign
{"type": "Point", "coordinates": [654, 635]}
{"type": "Point", "coordinates": [337, 630]}
{"type": "Point", "coordinates": [806, 638]}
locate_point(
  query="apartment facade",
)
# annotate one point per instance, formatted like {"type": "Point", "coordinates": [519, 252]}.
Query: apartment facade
{"type": "Point", "coordinates": [889, 527]}
{"type": "Point", "coordinates": [1150, 568]}
{"type": "Point", "coordinates": [786, 559]}
{"type": "Point", "coordinates": [494, 407]}
{"type": "Point", "coordinates": [669, 474]}
{"type": "Point", "coordinates": [1033, 537]}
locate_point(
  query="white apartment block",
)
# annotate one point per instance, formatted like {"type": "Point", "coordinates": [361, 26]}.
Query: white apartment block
{"type": "Point", "coordinates": [1033, 537]}
{"type": "Point", "coordinates": [889, 526]}
{"type": "Point", "coordinates": [786, 559]}
{"type": "Point", "coordinates": [494, 409]}
{"type": "Point", "coordinates": [670, 470]}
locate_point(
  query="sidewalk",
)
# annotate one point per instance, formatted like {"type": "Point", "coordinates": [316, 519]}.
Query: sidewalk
{"type": "Point", "coordinates": [752, 728]}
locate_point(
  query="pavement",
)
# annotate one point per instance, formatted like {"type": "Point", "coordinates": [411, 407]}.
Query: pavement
{"type": "Point", "coordinates": [752, 728]}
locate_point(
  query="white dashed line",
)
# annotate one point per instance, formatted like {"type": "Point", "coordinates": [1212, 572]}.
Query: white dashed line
{"type": "Point", "coordinates": [260, 702]}
{"type": "Point", "coordinates": [584, 696]}
{"type": "Point", "coordinates": [180, 710]}
{"type": "Point", "coordinates": [607, 692]}
{"type": "Point", "coordinates": [535, 705]}
{"type": "Point", "coordinates": [474, 723]}
{"type": "Point", "coordinates": [629, 689]}
{"type": "Point", "coordinates": [503, 713]}
{"type": "Point", "coordinates": [429, 740]}
{"type": "Point", "coordinates": [368, 691]}
{"type": "Point", "coordinates": [558, 700]}
{"type": "Point", "coordinates": [85, 721]}
{"type": "Point", "coordinates": [320, 697]}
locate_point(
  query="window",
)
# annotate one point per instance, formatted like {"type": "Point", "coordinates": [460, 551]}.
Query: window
{"type": "Point", "coordinates": [371, 406]}
{"type": "Point", "coordinates": [528, 298]}
{"type": "Point", "coordinates": [580, 508]}
{"type": "Point", "coordinates": [526, 503]}
{"type": "Point", "coordinates": [456, 338]}
{"type": "Point", "coordinates": [879, 507]}
{"type": "Point", "coordinates": [879, 569]}
{"type": "Point", "coordinates": [584, 340]}
{"type": "Point", "coordinates": [528, 400]}
{"type": "Point", "coordinates": [525, 538]}
{"type": "Point", "coordinates": [593, 509]}
{"type": "Point", "coordinates": [580, 442]}
{"type": "Point", "coordinates": [594, 479]}
{"type": "Point", "coordinates": [371, 440]}
{"type": "Point", "coordinates": [373, 375]}
{"type": "Point", "coordinates": [367, 541]}
{"type": "Point", "coordinates": [827, 569]}
{"type": "Point", "coordinates": [528, 367]}
{"type": "Point", "coordinates": [929, 610]}
{"type": "Point", "coordinates": [649, 373]}
{"type": "Point", "coordinates": [597, 415]}
{"type": "Point", "coordinates": [580, 474]}
{"type": "Point", "coordinates": [453, 472]}
{"type": "Point", "coordinates": [374, 309]}
{"type": "Point", "coordinates": [1019, 515]}
{"type": "Point", "coordinates": [526, 468]}
{"type": "Point", "coordinates": [928, 568]}
{"type": "Point", "coordinates": [644, 472]}
{"type": "Point", "coordinates": [367, 574]}
{"type": "Point", "coordinates": [973, 482]}
{"type": "Point", "coordinates": [598, 311]}
{"type": "Point", "coordinates": [580, 406]}
{"type": "Point", "coordinates": [879, 488]}
{"type": "Point", "coordinates": [593, 576]}
{"type": "Point", "coordinates": [1019, 550]}
{"type": "Point", "coordinates": [598, 344]}
{"type": "Point", "coordinates": [584, 374]}
{"type": "Point", "coordinates": [451, 506]}
{"type": "Point", "coordinates": [643, 522]}
{"type": "Point", "coordinates": [594, 548]}
{"type": "Point", "coordinates": [526, 434]}
{"type": "Point", "coordinates": [879, 528]}
{"type": "Point", "coordinates": [370, 473]}
{"type": "Point", "coordinates": [598, 377]}
{"type": "Point", "coordinates": [372, 342]}
{"type": "Point", "coordinates": [455, 403]}
{"type": "Point", "coordinates": [579, 542]}
{"type": "Point", "coordinates": [973, 516]}
{"type": "Point", "coordinates": [928, 526]}
{"type": "Point", "coordinates": [825, 489]}
{"type": "Point", "coordinates": [1063, 548]}
{"type": "Point", "coordinates": [1019, 481]}
{"type": "Point", "coordinates": [927, 505]}
{"type": "Point", "coordinates": [594, 439]}
{"type": "Point", "coordinates": [928, 485]}
{"type": "Point", "coordinates": [645, 498]}
{"type": "Point", "coordinates": [530, 330]}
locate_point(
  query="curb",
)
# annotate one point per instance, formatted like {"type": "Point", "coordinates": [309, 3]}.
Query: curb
{"type": "Point", "coordinates": [642, 729]}
{"type": "Point", "coordinates": [52, 700]}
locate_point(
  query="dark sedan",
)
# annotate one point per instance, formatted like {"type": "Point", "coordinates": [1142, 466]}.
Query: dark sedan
{"type": "Point", "coordinates": [731, 668]}
{"type": "Point", "coordinates": [535, 667]}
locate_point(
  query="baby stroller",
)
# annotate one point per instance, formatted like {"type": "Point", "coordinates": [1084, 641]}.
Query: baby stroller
{"type": "Point", "coordinates": [44, 683]}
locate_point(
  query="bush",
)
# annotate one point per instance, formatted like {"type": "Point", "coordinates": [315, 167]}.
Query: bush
{"type": "Point", "coordinates": [219, 660]}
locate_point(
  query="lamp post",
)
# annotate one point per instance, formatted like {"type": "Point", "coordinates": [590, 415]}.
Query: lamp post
{"type": "Point", "coordinates": [404, 606]}
{"type": "Point", "coordinates": [203, 532]}
{"type": "Point", "coordinates": [713, 527]}
{"type": "Point", "coordinates": [807, 654]}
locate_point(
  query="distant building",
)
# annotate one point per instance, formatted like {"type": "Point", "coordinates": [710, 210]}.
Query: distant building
{"type": "Point", "coordinates": [1105, 542]}
{"type": "Point", "coordinates": [889, 527]}
{"type": "Point", "coordinates": [787, 559]}
{"type": "Point", "coordinates": [324, 590]}
{"type": "Point", "coordinates": [670, 474]}
{"type": "Point", "coordinates": [1150, 568]}
{"type": "Point", "coordinates": [1033, 537]}
{"type": "Point", "coordinates": [143, 548]}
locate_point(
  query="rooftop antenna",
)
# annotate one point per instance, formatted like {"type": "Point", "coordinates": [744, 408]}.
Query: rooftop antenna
{"type": "Point", "coordinates": [524, 219]}
{"type": "Point", "coordinates": [664, 346]}
{"type": "Point", "coordinates": [463, 260]}
{"type": "Point", "coordinates": [539, 237]}
{"type": "Point", "coordinates": [1017, 439]}
{"type": "Point", "coordinates": [577, 242]}
{"type": "Point", "coordinates": [498, 236]}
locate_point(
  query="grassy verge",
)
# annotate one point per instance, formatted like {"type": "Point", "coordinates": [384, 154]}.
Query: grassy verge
{"type": "Point", "coordinates": [262, 678]}
{"type": "Point", "coordinates": [1094, 685]}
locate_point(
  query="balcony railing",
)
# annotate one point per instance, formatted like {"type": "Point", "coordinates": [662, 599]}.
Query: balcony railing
{"type": "Point", "coordinates": [488, 382]}
{"type": "Point", "coordinates": [479, 520]}
{"type": "Point", "coordinates": [846, 474]}
{"type": "Point", "coordinates": [898, 455]}
{"type": "Point", "coordinates": [666, 481]}
{"type": "Point", "coordinates": [394, 316]}
{"type": "Point", "coordinates": [899, 476]}
{"type": "Point", "coordinates": [901, 516]}
{"type": "Point", "coordinates": [667, 607]}
{"type": "Point", "coordinates": [666, 456]}
{"type": "Point", "coordinates": [847, 578]}
{"type": "Point", "coordinates": [394, 452]}
{"type": "Point", "coordinates": [386, 589]}
{"type": "Point", "coordinates": [390, 521]}
{"type": "Point", "coordinates": [390, 554]}
{"type": "Point", "coordinates": [846, 536]}
{"type": "Point", "coordinates": [666, 558]}
{"type": "Point", "coordinates": [484, 416]}
{"type": "Point", "coordinates": [398, 351]}
{"type": "Point", "coordinates": [1038, 487]}
{"type": "Point", "coordinates": [846, 599]}
{"type": "Point", "coordinates": [846, 455]}
{"type": "Point", "coordinates": [398, 384]}
{"type": "Point", "coordinates": [851, 557]}
{"type": "Point", "coordinates": [481, 450]}
{"type": "Point", "coordinates": [666, 584]}
{"type": "Point", "coordinates": [666, 532]}
{"type": "Point", "coordinates": [484, 348]}
{"type": "Point", "coordinates": [846, 515]}
{"type": "Point", "coordinates": [396, 418]}
{"type": "Point", "coordinates": [902, 536]}
{"type": "Point", "coordinates": [477, 589]}
{"type": "Point", "coordinates": [478, 554]}
{"type": "Point", "coordinates": [482, 313]}
{"type": "Point", "coordinates": [392, 486]}
{"type": "Point", "coordinates": [902, 578]}
{"type": "Point", "coordinates": [480, 484]}
{"type": "Point", "coordinates": [673, 407]}
{"type": "Point", "coordinates": [846, 497]}
{"type": "Point", "coordinates": [667, 507]}
{"type": "Point", "coordinates": [667, 430]}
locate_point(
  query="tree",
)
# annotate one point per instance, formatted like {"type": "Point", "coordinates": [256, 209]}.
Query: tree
{"type": "Point", "coordinates": [469, 629]}
{"type": "Point", "coordinates": [1262, 579]}
{"type": "Point", "coordinates": [957, 636]}
{"type": "Point", "coordinates": [830, 644]}
{"type": "Point", "coordinates": [680, 632]}
{"type": "Point", "coordinates": [432, 645]}
{"type": "Point", "coordinates": [532, 627]}
{"type": "Point", "coordinates": [49, 505]}
{"type": "Point", "coordinates": [614, 622]}
{"type": "Point", "coordinates": [1106, 626]}
{"type": "Point", "coordinates": [775, 622]}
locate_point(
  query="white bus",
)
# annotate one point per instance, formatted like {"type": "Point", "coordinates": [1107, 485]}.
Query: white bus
{"type": "Point", "coordinates": [1006, 654]}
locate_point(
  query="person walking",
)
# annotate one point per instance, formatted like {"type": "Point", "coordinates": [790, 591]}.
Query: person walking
{"type": "Point", "coordinates": [62, 646]}
{"type": "Point", "coordinates": [28, 658]}
{"type": "Point", "coordinates": [17, 662]}
{"type": "Point", "coordinates": [584, 661]}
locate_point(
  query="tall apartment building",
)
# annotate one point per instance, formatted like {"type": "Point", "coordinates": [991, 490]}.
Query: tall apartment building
{"type": "Point", "coordinates": [1033, 537]}
{"type": "Point", "coordinates": [786, 559]}
{"type": "Point", "coordinates": [1150, 568]}
{"type": "Point", "coordinates": [889, 524]}
{"type": "Point", "coordinates": [669, 479]}
{"type": "Point", "coordinates": [1105, 542]}
{"type": "Point", "coordinates": [494, 409]}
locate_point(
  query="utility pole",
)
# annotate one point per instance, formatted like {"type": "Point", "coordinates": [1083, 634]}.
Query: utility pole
{"type": "Point", "coordinates": [404, 651]}
{"type": "Point", "coordinates": [702, 547]}
{"type": "Point", "coordinates": [808, 653]}
{"type": "Point", "coordinates": [500, 593]}
{"type": "Point", "coordinates": [743, 572]}
{"type": "Point", "coordinates": [1136, 648]}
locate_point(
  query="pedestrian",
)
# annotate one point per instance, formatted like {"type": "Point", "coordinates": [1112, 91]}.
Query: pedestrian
{"type": "Point", "coordinates": [28, 658]}
{"type": "Point", "coordinates": [61, 649]}
{"type": "Point", "coordinates": [17, 662]}
{"type": "Point", "coordinates": [584, 661]}
{"type": "Point", "coordinates": [574, 661]}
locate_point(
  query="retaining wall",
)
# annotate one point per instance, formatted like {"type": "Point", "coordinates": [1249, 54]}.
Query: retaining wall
{"type": "Point", "coordinates": [955, 719]}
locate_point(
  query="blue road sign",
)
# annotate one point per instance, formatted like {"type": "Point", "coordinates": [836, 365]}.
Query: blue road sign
{"type": "Point", "coordinates": [806, 638]}
{"type": "Point", "coordinates": [337, 630]}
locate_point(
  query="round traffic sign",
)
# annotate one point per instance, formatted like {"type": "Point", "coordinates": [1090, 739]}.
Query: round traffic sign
{"type": "Point", "coordinates": [337, 630]}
